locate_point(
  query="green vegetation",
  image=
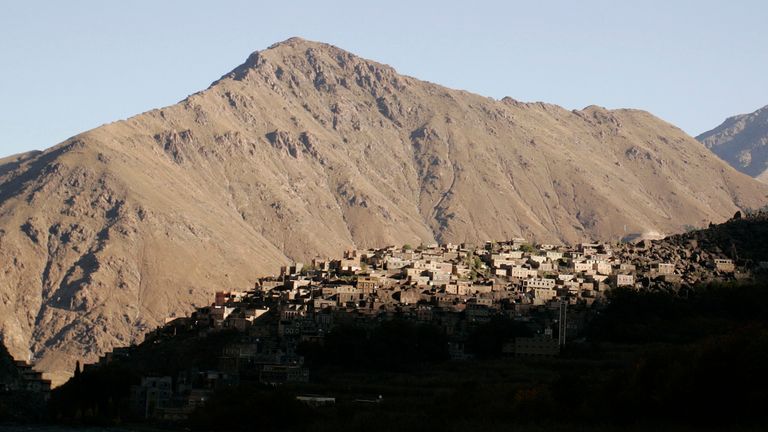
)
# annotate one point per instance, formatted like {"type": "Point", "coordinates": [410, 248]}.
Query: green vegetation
{"type": "Point", "coordinates": [97, 397]}
{"type": "Point", "coordinates": [650, 317]}
{"type": "Point", "coordinates": [252, 407]}
{"type": "Point", "coordinates": [18, 405]}
{"type": "Point", "coordinates": [397, 345]}
{"type": "Point", "coordinates": [649, 359]}
{"type": "Point", "coordinates": [487, 339]}
{"type": "Point", "coordinates": [695, 361]}
{"type": "Point", "coordinates": [756, 212]}
{"type": "Point", "coordinates": [306, 269]}
{"type": "Point", "coordinates": [100, 396]}
{"type": "Point", "coordinates": [654, 362]}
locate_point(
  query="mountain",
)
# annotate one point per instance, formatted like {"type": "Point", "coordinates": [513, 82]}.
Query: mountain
{"type": "Point", "coordinates": [306, 150]}
{"type": "Point", "coordinates": [12, 162]}
{"type": "Point", "coordinates": [742, 141]}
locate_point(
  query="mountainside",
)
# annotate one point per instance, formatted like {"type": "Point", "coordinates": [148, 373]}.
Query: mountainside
{"type": "Point", "coordinates": [741, 239]}
{"type": "Point", "coordinates": [742, 141]}
{"type": "Point", "coordinates": [305, 150]}
{"type": "Point", "coordinates": [12, 162]}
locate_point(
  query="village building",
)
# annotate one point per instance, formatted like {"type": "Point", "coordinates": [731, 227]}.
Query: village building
{"type": "Point", "coordinates": [725, 265]}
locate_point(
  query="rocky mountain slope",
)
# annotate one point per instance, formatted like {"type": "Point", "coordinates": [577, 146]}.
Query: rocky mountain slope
{"type": "Point", "coordinates": [12, 162]}
{"type": "Point", "coordinates": [741, 239]}
{"type": "Point", "coordinates": [305, 150]}
{"type": "Point", "coordinates": [742, 141]}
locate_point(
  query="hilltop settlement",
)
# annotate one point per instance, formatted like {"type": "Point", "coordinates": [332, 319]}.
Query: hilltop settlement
{"type": "Point", "coordinates": [442, 296]}
{"type": "Point", "coordinates": [549, 291]}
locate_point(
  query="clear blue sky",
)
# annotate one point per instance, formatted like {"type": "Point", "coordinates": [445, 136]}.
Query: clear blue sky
{"type": "Point", "coordinates": [68, 66]}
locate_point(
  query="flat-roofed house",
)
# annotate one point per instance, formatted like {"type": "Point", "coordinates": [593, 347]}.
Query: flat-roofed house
{"type": "Point", "coordinates": [725, 265]}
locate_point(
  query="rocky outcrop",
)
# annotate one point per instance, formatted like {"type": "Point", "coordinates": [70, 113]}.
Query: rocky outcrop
{"type": "Point", "coordinates": [693, 253]}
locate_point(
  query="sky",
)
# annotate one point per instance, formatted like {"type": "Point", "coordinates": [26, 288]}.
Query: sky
{"type": "Point", "coordinates": [66, 67]}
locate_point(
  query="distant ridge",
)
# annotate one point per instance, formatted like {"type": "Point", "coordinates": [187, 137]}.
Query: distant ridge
{"type": "Point", "coordinates": [742, 141]}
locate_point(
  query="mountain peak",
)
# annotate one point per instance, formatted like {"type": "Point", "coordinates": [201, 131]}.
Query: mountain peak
{"type": "Point", "coordinates": [296, 42]}
{"type": "Point", "coordinates": [303, 150]}
{"type": "Point", "coordinates": [288, 63]}
{"type": "Point", "coordinates": [293, 48]}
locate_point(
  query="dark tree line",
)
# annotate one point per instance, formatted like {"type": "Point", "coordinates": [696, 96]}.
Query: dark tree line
{"type": "Point", "coordinates": [395, 345]}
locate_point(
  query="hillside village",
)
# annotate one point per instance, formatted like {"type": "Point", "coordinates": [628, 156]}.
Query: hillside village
{"type": "Point", "coordinates": [157, 211]}
{"type": "Point", "coordinates": [550, 290]}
